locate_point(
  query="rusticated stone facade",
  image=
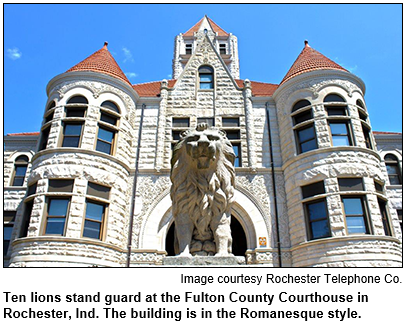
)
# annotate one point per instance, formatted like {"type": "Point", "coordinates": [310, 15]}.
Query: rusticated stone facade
{"type": "Point", "coordinates": [104, 149]}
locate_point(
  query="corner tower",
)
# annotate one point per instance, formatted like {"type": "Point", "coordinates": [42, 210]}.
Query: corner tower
{"type": "Point", "coordinates": [225, 44]}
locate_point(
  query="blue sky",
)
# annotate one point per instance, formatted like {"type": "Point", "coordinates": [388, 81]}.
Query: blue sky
{"type": "Point", "coordinates": [42, 41]}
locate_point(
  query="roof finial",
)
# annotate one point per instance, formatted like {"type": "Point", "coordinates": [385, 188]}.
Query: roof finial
{"type": "Point", "coordinates": [105, 44]}
{"type": "Point", "coordinates": [306, 42]}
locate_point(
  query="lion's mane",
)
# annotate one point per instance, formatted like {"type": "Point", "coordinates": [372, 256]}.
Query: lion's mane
{"type": "Point", "coordinates": [203, 193]}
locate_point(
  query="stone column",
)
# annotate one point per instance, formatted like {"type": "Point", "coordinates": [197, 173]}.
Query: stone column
{"type": "Point", "coordinates": [160, 138]}
{"type": "Point", "coordinates": [249, 124]}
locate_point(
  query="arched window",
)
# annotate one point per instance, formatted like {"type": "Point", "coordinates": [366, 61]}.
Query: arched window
{"type": "Point", "coordinates": [392, 167]}
{"type": "Point", "coordinates": [110, 105]}
{"type": "Point", "coordinates": [333, 98]}
{"type": "Point", "coordinates": [20, 169]}
{"type": "Point", "coordinates": [77, 100]}
{"type": "Point", "coordinates": [206, 79]}
{"type": "Point", "coordinates": [305, 134]}
{"type": "Point", "coordinates": [360, 104]}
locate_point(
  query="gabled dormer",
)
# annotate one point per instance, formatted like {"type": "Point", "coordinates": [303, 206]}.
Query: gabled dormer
{"type": "Point", "coordinates": [225, 44]}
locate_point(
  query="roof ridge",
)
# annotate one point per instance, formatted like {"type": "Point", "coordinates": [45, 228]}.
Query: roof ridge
{"type": "Point", "coordinates": [308, 60]}
{"type": "Point", "coordinates": [103, 62]}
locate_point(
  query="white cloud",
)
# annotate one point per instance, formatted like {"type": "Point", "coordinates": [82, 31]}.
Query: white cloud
{"type": "Point", "coordinates": [131, 74]}
{"type": "Point", "coordinates": [127, 54]}
{"type": "Point", "coordinates": [14, 53]}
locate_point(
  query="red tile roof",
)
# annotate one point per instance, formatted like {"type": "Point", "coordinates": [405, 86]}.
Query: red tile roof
{"type": "Point", "coordinates": [153, 89]}
{"type": "Point", "coordinates": [310, 60]}
{"type": "Point", "coordinates": [382, 132]}
{"type": "Point", "coordinates": [259, 88]}
{"type": "Point", "coordinates": [101, 61]}
{"type": "Point", "coordinates": [217, 29]}
{"type": "Point", "coordinates": [22, 134]}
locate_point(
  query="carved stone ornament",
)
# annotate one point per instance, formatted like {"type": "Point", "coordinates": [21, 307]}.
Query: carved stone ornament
{"type": "Point", "coordinates": [202, 192]}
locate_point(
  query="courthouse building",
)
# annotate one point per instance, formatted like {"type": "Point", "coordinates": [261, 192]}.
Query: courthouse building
{"type": "Point", "coordinates": [315, 186]}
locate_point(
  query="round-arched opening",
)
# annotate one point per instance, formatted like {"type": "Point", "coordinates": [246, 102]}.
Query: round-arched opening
{"type": "Point", "coordinates": [239, 246]}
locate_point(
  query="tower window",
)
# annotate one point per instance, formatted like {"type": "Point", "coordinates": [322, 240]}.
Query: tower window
{"type": "Point", "coordinates": [188, 48]}
{"type": "Point", "coordinates": [71, 134]}
{"type": "Point", "coordinates": [111, 106]}
{"type": "Point", "coordinates": [306, 138]}
{"type": "Point", "coordinates": [355, 215]}
{"type": "Point", "coordinates": [206, 79]}
{"type": "Point", "coordinates": [392, 167]}
{"type": "Point", "coordinates": [56, 216]}
{"type": "Point", "coordinates": [340, 133]}
{"type": "Point", "coordinates": [105, 140]}
{"type": "Point", "coordinates": [223, 49]}
{"type": "Point", "coordinates": [20, 169]}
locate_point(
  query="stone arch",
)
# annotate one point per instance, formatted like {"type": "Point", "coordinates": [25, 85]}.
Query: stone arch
{"type": "Point", "coordinates": [156, 225]}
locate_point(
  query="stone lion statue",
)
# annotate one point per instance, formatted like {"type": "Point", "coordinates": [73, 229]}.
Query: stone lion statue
{"type": "Point", "coordinates": [202, 192]}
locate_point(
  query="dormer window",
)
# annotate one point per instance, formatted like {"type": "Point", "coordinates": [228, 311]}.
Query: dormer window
{"type": "Point", "coordinates": [223, 49]}
{"type": "Point", "coordinates": [206, 77]}
{"type": "Point", "coordinates": [188, 48]}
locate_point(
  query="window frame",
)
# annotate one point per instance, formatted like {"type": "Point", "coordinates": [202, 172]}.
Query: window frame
{"type": "Point", "coordinates": [309, 229]}
{"type": "Point", "coordinates": [349, 134]}
{"type": "Point", "coordinates": [297, 138]}
{"type": "Point", "coordinates": [8, 222]}
{"type": "Point", "coordinates": [233, 127]}
{"type": "Point", "coordinates": [19, 164]}
{"type": "Point", "coordinates": [365, 215]}
{"type": "Point", "coordinates": [48, 216]}
{"type": "Point", "coordinates": [210, 74]}
{"type": "Point", "coordinates": [389, 162]}
{"type": "Point", "coordinates": [386, 223]}
{"type": "Point", "coordinates": [79, 136]}
{"type": "Point", "coordinates": [92, 196]}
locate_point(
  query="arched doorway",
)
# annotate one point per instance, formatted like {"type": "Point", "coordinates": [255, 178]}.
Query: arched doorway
{"type": "Point", "coordinates": [239, 246]}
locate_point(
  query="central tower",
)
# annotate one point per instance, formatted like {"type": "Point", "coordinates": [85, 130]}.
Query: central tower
{"type": "Point", "coordinates": [225, 44]}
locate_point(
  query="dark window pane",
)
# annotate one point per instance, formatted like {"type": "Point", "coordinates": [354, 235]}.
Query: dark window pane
{"type": "Point", "coordinates": [26, 218]}
{"type": "Point", "coordinates": [356, 225]}
{"type": "Point", "coordinates": [108, 119]}
{"type": "Point", "coordinates": [313, 189]}
{"type": "Point", "coordinates": [205, 69]}
{"type": "Point", "coordinates": [333, 98]}
{"type": "Point", "coordinates": [103, 147]}
{"type": "Point", "coordinates": [309, 145]}
{"type": "Point", "coordinates": [105, 135]}
{"type": "Point", "coordinates": [353, 206]}
{"type": "Point", "coordinates": [9, 216]}
{"type": "Point", "coordinates": [336, 110]}
{"type": "Point", "coordinates": [306, 134]}
{"type": "Point", "coordinates": [71, 142]}
{"type": "Point", "coordinates": [320, 229]}
{"type": "Point", "coordinates": [44, 138]}
{"type": "Point", "coordinates": [110, 105]}
{"type": "Point", "coordinates": [317, 210]}
{"type": "Point", "coordinates": [233, 134]}
{"type": "Point", "coordinates": [18, 181]}
{"type": "Point", "coordinates": [378, 187]}
{"type": "Point", "coordinates": [32, 189]}
{"type": "Point", "coordinates": [362, 115]}
{"type": "Point", "coordinates": [350, 184]}
{"type": "Point", "coordinates": [300, 104]}
{"type": "Point", "coordinates": [73, 129]}
{"type": "Point", "coordinates": [98, 190]}
{"type": "Point", "coordinates": [176, 135]}
{"type": "Point", "coordinates": [55, 226]}
{"type": "Point", "coordinates": [91, 229]}
{"type": "Point", "coordinates": [394, 180]}
{"type": "Point", "coordinates": [231, 122]}
{"type": "Point", "coordinates": [7, 230]}
{"type": "Point", "coordinates": [392, 169]}
{"type": "Point", "coordinates": [20, 170]}
{"type": "Point", "coordinates": [22, 158]}
{"type": "Point", "coordinates": [94, 211]}
{"type": "Point", "coordinates": [58, 207]}
{"type": "Point", "coordinates": [359, 103]}
{"type": "Point", "coordinates": [304, 116]}
{"type": "Point", "coordinates": [78, 100]}
{"type": "Point", "coordinates": [180, 122]}
{"type": "Point", "coordinates": [75, 112]}
{"type": "Point", "coordinates": [60, 185]}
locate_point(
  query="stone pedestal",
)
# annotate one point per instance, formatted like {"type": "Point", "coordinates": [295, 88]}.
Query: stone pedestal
{"type": "Point", "coordinates": [205, 260]}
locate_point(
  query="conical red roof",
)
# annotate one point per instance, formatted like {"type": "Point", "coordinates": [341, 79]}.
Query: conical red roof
{"type": "Point", "coordinates": [310, 60]}
{"type": "Point", "coordinates": [103, 62]}
{"type": "Point", "coordinates": [216, 28]}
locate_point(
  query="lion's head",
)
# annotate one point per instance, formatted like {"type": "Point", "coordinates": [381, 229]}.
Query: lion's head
{"type": "Point", "coordinates": [204, 147]}
{"type": "Point", "coordinates": [202, 178]}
